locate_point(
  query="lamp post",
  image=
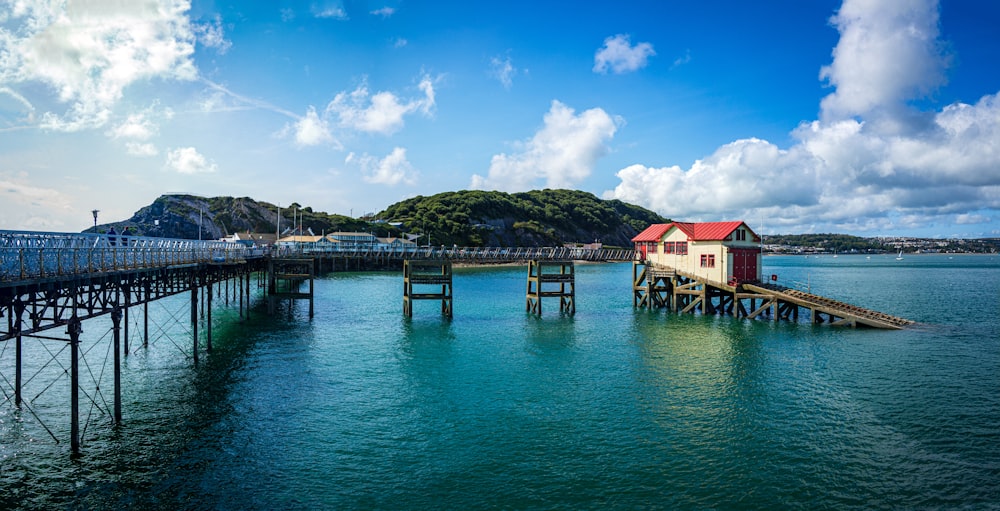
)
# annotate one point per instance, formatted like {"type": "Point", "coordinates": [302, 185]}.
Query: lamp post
{"type": "Point", "coordinates": [95, 212]}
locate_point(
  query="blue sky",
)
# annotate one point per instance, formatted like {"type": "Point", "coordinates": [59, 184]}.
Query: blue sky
{"type": "Point", "coordinates": [861, 117]}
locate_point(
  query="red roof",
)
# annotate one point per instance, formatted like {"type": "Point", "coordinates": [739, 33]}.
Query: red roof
{"type": "Point", "coordinates": [652, 233]}
{"type": "Point", "coordinates": [714, 231]}
{"type": "Point", "coordinates": [704, 231]}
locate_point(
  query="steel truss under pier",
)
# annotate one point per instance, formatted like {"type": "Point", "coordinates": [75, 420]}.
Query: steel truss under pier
{"type": "Point", "coordinates": [539, 279]}
{"type": "Point", "coordinates": [43, 301]}
{"type": "Point", "coordinates": [427, 273]}
{"type": "Point", "coordinates": [660, 287]}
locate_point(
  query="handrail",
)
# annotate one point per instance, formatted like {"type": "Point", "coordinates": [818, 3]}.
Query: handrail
{"type": "Point", "coordinates": [28, 255]}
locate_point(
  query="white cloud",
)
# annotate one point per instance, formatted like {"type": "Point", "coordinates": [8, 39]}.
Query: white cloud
{"type": "Point", "coordinates": [187, 160]}
{"type": "Point", "coordinates": [866, 165]}
{"type": "Point", "coordinates": [969, 218]}
{"type": "Point", "coordinates": [391, 170]}
{"type": "Point", "coordinates": [382, 112]}
{"type": "Point", "coordinates": [141, 125]}
{"type": "Point", "coordinates": [311, 130]}
{"type": "Point", "coordinates": [888, 53]}
{"type": "Point", "coordinates": [620, 56]}
{"type": "Point", "coordinates": [399, 42]}
{"type": "Point", "coordinates": [15, 191]}
{"type": "Point", "coordinates": [384, 12]}
{"type": "Point", "coordinates": [141, 149]}
{"type": "Point", "coordinates": [213, 36]}
{"type": "Point", "coordinates": [88, 53]}
{"type": "Point", "coordinates": [503, 70]}
{"type": "Point", "coordinates": [331, 12]}
{"type": "Point", "coordinates": [561, 154]}
{"type": "Point", "coordinates": [683, 59]}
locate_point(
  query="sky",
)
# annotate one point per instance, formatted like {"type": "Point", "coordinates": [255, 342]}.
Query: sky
{"type": "Point", "coordinates": [864, 117]}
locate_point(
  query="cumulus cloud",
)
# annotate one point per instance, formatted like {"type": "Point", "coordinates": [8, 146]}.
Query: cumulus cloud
{"type": "Point", "coordinates": [620, 56]}
{"type": "Point", "coordinates": [90, 52]}
{"type": "Point", "coordinates": [384, 12]}
{"type": "Point", "coordinates": [888, 53]}
{"type": "Point", "coordinates": [391, 170]}
{"type": "Point", "coordinates": [382, 112]}
{"type": "Point", "coordinates": [187, 160]}
{"type": "Point", "coordinates": [310, 130]}
{"type": "Point", "coordinates": [866, 164]}
{"type": "Point", "coordinates": [560, 155]}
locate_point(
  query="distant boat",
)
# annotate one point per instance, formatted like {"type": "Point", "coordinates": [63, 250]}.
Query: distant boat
{"type": "Point", "coordinates": [900, 256]}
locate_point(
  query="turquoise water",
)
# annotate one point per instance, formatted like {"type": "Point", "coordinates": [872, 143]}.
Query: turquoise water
{"type": "Point", "coordinates": [613, 408]}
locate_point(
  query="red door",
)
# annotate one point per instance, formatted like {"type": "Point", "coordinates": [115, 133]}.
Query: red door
{"type": "Point", "coordinates": [744, 263]}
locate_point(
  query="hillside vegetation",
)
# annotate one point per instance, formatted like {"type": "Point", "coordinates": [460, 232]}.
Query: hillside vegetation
{"type": "Point", "coordinates": [535, 218]}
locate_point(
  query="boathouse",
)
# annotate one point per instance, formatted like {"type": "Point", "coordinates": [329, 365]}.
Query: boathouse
{"type": "Point", "coordinates": [715, 251]}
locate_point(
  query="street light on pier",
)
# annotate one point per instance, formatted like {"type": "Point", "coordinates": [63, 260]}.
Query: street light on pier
{"type": "Point", "coordinates": [95, 212]}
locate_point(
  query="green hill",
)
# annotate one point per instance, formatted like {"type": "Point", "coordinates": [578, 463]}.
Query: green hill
{"type": "Point", "coordinates": [535, 218]}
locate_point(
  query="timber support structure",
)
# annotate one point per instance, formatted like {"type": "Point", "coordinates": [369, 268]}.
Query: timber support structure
{"type": "Point", "coordinates": [427, 273]}
{"type": "Point", "coordinates": [559, 284]}
{"type": "Point", "coordinates": [662, 287]}
{"type": "Point", "coordinates": [285, 279]}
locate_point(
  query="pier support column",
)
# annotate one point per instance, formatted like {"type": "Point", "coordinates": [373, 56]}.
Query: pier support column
{"type": "Point", "coordinates": [194, 316]}
{"type": "Point", "coordinates": [74, 329]}
{"type": "Point", "coordinates": [145, 315]}
{"type": "Point", "coordinates": [208, 321]}
{"type": "Point", "coordinates": [128, 304]}
{"type": "Point", "coordinates": [116, 319]}
{"type": "Point", "coordinates": [16, 327]}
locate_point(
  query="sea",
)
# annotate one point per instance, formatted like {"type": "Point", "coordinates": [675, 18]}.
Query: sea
{"type": "Point", "coordinates": [614, 407]}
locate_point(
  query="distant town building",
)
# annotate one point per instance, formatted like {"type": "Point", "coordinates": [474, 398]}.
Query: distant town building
{"type": "Point", "coordinates": [248, 238]}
